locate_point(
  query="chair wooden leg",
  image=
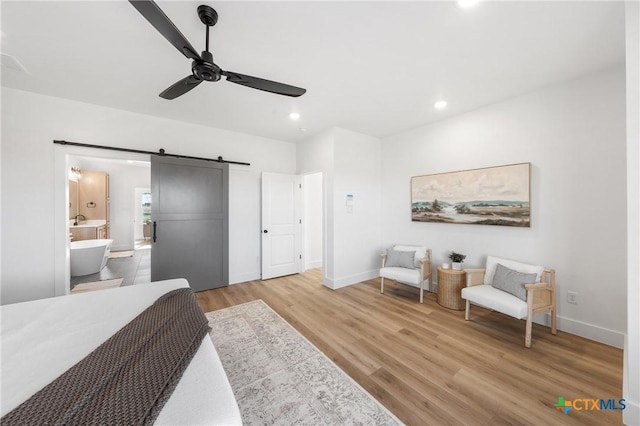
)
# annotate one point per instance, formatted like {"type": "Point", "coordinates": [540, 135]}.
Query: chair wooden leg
{"type": "Point", "coordinates": [421, 291]}
{"type": "Point", "coordinates": [528, 327]}
{"type": "Point", "coordinates": [381, 284]}
{"type": "Point", "coordinates": [467, 311]}
{"type": "Point", "coordinates": [553, 321]}
{"type": "Point", "coordinates": [527, 333]}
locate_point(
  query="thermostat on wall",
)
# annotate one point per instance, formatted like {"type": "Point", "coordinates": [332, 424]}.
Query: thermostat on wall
{"type": "Point", "coordinates": [349, 203]}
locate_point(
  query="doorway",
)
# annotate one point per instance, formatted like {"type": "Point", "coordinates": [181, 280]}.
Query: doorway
{"type": "Point", "coordinates": [281, 225]}
{"type": "Point", "coordinates": [64, 158]}
{"type": "Point", "coordinates": [313, 220]}
{"type": "Point", "coordinates": [124, 177]}
{"type": "Point", "coordinates": [292, 223]}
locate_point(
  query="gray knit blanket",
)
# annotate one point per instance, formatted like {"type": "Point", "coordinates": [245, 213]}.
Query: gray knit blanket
{"type": "Point", "coordinates": [128, 379]}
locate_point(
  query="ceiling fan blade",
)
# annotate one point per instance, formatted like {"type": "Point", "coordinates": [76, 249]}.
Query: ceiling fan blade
{"type": "Point", "coordinates": [262, 84]}
{"type": "Point", "coordinates": [180, 88]}
{"type": "Point", "coordinates": [163, 24]}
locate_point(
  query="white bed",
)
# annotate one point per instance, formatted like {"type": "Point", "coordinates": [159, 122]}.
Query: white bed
{"type": "Point", "coordinates": [43, 338]}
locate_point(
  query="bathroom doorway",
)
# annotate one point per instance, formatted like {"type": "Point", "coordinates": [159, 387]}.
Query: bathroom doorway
{"type": "Point", "coordinates": [126, 177]}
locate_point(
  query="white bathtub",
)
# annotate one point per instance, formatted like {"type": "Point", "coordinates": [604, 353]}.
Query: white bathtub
{"type": "Point", "coordinates": [89, 256]}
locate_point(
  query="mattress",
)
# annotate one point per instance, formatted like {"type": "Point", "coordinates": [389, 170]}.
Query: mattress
{"type": "Point", "coordinates": [41, 339]}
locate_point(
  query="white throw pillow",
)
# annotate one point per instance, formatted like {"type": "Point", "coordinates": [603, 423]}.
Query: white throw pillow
{"type": "Point", "coordinates": [492, 262]}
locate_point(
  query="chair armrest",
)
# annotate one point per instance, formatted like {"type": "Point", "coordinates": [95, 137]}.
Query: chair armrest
{"type": "Point", "coordinates": [536, 286]}
{"type": "Point", "coordinates": [425, 267]}
{"type": "Point", "coordinates": [541, 296]}
{"type": "Point", "coordinates": [383, 256]}
{"type": "Point", "coordinates": [474, 277]}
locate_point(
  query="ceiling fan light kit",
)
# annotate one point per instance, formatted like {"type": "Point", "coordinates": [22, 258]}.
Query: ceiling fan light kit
{"type": "Point", "coordinates": [202, 68]}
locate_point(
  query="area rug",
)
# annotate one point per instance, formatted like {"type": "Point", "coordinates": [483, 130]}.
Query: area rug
{"type": "Point", "coordinates": [280, 378]}
{"type": "Point", "coordinates": [117, 254]}
{"type": "Point", "coordinates": [96, 285]}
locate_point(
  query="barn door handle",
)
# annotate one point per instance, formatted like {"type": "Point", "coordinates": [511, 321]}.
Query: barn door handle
{"type": "Point", "coordinates": [154, 231]}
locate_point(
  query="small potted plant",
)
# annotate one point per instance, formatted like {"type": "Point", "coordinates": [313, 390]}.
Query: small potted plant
{"type": "Point", "coordinates": [456, 260]}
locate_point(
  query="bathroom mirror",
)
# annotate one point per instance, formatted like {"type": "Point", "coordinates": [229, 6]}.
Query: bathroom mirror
{"type": "Point", "coordinates": [73, 199]}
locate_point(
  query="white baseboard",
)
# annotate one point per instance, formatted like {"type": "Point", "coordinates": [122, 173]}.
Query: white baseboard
{"type": "Point", "coordinates": [313, 264]}
{"type": "Point", "coordinates": [590, 331]}
{"type": "Point", "coordinates": [351, 279]}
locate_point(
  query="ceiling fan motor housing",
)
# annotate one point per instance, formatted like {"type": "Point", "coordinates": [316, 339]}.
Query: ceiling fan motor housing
{"type": "Point", "coordinates": [206, 69]}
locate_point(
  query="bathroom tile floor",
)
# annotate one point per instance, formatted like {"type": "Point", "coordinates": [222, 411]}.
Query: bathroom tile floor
{"type": "Point", "coordinates": [134, 270]}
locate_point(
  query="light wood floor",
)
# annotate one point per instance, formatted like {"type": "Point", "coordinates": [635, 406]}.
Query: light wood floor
{"type": "Point", "coordinates": [428, 365]}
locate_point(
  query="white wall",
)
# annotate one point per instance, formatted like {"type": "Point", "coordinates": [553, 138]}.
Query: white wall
{"type": "Point", "coordinates": [631, 380]}
{"type": "Point", "coordinates": [312, 221]}
{"type": "Point", "coordinates": [574, 136]}
{"type": "Point", "coordinates": [350, 163]}
{"type": "Point", "coordinates": [34, 176]}
{"type": "Point", "coordinates": [123, 179]}
{"type": "Point", "coordinates": [357, 230]}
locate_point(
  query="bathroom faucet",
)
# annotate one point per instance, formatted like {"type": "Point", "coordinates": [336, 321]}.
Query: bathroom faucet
{"type": "Point", "coordinates": [79, 217]}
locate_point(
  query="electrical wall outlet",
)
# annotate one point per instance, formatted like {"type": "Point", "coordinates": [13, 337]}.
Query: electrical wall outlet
{"type": "Point", "coordinates": [572, 297]}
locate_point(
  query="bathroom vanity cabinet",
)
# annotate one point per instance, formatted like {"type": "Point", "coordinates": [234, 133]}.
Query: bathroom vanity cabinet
{"type": "Point", "coordinates": [89, 231]}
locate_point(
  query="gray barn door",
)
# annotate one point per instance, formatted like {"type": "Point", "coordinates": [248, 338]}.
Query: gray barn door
{"type": "Point", "coordinates": [190, 229]}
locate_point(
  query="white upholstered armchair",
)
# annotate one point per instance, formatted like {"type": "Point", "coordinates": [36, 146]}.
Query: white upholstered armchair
{"type": "Point", "coordinates": [407, 265]}
{"type": "Point", "coordinates": [512, 288]}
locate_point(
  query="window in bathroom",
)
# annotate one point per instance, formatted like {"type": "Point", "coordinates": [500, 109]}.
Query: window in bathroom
{"type": "Point", "coordinates": [146, 206]}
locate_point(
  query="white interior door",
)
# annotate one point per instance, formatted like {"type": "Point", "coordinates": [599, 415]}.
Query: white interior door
{"type": "Point", "coordinates": [281, 225]}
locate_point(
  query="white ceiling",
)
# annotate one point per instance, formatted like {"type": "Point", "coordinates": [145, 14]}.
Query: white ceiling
{"type": "Point", "coordinates": [371, 67]}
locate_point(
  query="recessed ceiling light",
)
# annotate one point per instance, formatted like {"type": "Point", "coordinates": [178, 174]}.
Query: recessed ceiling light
{"type": "Point", "coordinates": [440, 105]}
{"type": "Point", "coordinates": [467, 3]}
{"type": "Point", "coordinates": [294, 116]}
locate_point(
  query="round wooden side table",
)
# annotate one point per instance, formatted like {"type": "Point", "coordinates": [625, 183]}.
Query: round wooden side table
{"type": "Point", "coordinates": [450, 284]}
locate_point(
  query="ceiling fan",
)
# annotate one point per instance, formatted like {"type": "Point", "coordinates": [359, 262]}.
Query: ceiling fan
{"type": "Point", "coordinates": [202, 68]}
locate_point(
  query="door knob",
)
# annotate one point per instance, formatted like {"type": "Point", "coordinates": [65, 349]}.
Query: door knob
{"type": "Point", "coordinates": [265, 231]}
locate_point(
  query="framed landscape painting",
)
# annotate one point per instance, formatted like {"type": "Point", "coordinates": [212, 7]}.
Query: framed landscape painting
{"type": "Point", "coordinates": [489, 196]}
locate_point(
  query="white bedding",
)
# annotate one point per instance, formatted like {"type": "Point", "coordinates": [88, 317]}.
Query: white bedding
{"type": "Point", "coordinates": [43, 338]}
